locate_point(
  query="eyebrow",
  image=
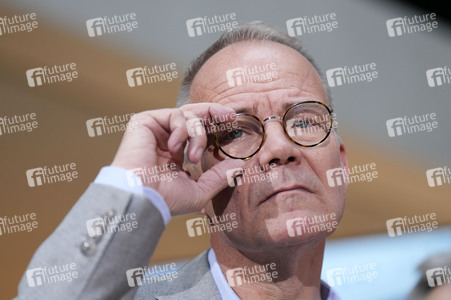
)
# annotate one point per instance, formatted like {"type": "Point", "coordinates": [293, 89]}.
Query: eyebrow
{"type": "Point", "coordinates": [252, 110]}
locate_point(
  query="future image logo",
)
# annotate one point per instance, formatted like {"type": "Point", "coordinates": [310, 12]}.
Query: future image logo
{"type": "Point", "coordinates": [351, 74]}
{"type": "Point", "coordinates": [109, 25]}
{"type": "Point", "coordinates": [211, 224]}
{"type": "Point", "coordinates": [438, 176]}
{"type": "Point", "coordinates": [111, 124]}
{"type": "Point", "coordinates": [49, 275]}
{"type": "Point", "coordinates": [313, 224]}
{"type": "Point", "coordinates": [48, 175]}
{"type": "Point", "coordinates": [351, 275]}
{"type": "Point", "coordinates": [411, 124]}
{"type": "Point", "coordinates": [18, 23]}
{"type": "Point", "coordinates": [409, 25]}
{"type": "Point", "coordinates": [151, 274]}
{"type": "Point", "coordinates": [208, 25]}
{"type": "Point", "coordinates": [251, 74]}
{"type": "Point", "coordinates": [351, 174]}
{"type": "Point", "coordinates": [438, 276]}
{"type": "Point", "coordinates": [148, 75]}
{"type": "Point", "coordinates": [409, 225]}
{"type": "Point", "coordinates": [250, 274]}
{"type": "Point", "coordinates": [312, 24]}
{"type": "Point", "coordinates": [438, 76]}
{"type": "Point", "coordinates": [250, 175]}
{"type": "Point", "coordinates": [50, 75]}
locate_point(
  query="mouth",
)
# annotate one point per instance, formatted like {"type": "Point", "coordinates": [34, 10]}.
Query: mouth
{"type": "Point", "coordinates": [292, 189]}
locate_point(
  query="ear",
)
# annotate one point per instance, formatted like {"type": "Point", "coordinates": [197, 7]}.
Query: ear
{"type": "Point", "coordinates": [343, 157]}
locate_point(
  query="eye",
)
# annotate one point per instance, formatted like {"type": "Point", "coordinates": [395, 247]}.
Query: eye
{"type": "Point", "coordinates": [235, 134]}
{"type": "Point", "coordinates": [303, 123]}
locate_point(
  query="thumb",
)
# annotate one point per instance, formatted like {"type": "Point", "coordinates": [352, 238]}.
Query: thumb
{"type": "Point", "coordinates": [216, 178]}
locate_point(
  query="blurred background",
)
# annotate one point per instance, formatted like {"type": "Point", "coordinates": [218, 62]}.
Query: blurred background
{"type": "Point", "coordinates": [362, 109]}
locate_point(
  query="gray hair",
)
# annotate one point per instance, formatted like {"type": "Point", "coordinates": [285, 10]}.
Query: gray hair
{"type": "Point", "coordinates": [252, 31]}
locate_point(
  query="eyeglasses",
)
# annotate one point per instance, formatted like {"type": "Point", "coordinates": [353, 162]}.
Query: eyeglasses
{"type": "Point", "coordinates": [306, 124]}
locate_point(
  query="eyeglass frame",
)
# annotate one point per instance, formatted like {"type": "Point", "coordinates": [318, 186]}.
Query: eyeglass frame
{"type": "Point", "coordinates": [263, 134]}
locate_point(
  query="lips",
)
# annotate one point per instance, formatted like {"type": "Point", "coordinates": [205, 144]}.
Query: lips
{"type": "Point", "coordinates": [286, 189]}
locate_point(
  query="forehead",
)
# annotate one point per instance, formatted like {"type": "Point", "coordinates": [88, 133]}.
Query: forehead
{"type": "Point", "coordinates": [247, 74]}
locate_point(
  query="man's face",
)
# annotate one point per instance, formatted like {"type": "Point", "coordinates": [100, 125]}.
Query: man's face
{"type": "Point", "coordinates": [301, 188]}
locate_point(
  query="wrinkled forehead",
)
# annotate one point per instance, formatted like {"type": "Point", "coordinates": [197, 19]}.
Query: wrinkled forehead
{"type": "Point", "coordinates": [255, 67]}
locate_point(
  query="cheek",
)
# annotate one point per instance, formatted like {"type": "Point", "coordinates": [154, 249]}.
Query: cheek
{"type": "Point", "coordinates": [321, 160]}
{"type": "Point", "coordinates": [324, 158]}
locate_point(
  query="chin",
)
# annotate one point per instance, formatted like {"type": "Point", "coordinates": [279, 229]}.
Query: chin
{"type": "Point", "coordinates": [295, 227]}
{"type": "Point", "coordinates": [283, 240]}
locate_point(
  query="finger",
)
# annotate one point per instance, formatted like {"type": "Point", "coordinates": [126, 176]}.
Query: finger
{"type": "Point", "coordinates": [211, 182]}
{"type": "Point", "coordinates": [210, 112]}
{"type": "Point", "coordinates": [197, 136]}
{"type": "Point", "coordinates": [178, 132]}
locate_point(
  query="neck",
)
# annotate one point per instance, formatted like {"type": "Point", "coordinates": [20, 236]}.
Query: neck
{"type": "Point", "coordinates": [285, 273]}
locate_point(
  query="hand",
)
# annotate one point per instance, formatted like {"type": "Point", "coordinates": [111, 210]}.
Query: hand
{"type": "Point", "coordinates": [159, 139]}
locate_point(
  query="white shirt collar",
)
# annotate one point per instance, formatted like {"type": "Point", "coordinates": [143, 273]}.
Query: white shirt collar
{"type": "Point", "coordinates": [223, 286]}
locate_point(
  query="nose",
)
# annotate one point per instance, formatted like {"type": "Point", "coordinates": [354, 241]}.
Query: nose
{"type": "Point", "coordinates": [278, 148]}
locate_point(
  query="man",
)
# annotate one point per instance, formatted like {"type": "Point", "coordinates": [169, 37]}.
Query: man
{"type": "Point", "coordinates": [259, 80]}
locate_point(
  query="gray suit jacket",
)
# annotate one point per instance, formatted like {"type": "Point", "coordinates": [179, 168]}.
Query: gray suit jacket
{"type": "Point", "coordinates": [102, 264]}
